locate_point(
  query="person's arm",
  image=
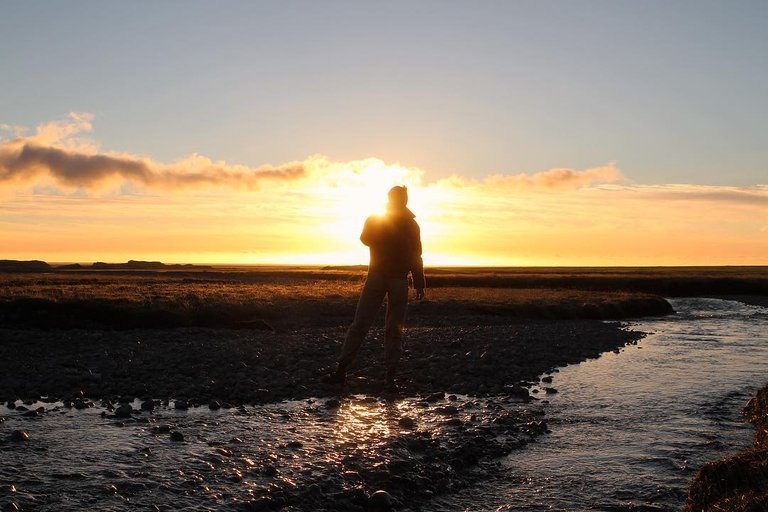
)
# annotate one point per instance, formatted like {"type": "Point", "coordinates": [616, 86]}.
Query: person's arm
{"type": "Point", "coordinates": [368, 235]}
{"type": "Point", "coordinates": [417, 264]}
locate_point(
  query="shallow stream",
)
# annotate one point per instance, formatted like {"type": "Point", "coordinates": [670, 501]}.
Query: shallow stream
{"type": "Point", "coordinates": [629, 430]}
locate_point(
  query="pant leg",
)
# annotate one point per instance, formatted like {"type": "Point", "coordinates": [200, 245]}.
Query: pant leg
{"type": "Point", "coordinates": [371, 297]}
{"type": "Point", "coordinates": [397, 303]}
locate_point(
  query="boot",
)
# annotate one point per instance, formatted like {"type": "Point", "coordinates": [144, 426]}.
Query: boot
{"type": "Point", "coordinates": [338, 376]}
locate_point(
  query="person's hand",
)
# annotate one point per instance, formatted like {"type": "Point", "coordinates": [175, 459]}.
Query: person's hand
{"type": "Point", "coordinates": [419, 293]}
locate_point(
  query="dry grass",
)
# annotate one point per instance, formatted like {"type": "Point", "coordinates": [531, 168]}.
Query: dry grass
{"type": "Point", "coordinates": [167, 288]}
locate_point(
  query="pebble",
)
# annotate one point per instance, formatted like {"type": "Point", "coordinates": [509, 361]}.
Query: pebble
{"type": "Point", "coordinates": [182, 405]}
{"type": "Point", "coordinates": [406, 422]}
{"type": "Point", "coordinates": [214, 405]}
{"type": "Point", "coordinates": [550, 391]}
{"type": "Point", "coordinates": [124, 411]}
{"type": "Point", "coordinates": [435, 397]}
{"type": "Point", "coordinates": [177, 436]}
{"type": "Point", "coordinates": [148, 405]}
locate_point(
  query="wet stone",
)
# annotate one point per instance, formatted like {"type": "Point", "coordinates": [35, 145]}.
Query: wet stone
{"type": "Point", "coordinates": [435, 397]}
{"type": "Point", "coordinates": [406, 422]}
{"type": "Point", "coordinates": [177, 436]}
{"type": "Point", "coordinates": [214, 405]}
{"type": "Point", "coordinates": [19, 436]}
{"type": "Point", "coordinates": [148, 405]}
{"type": "Point", "coordinates": [380, 501]}
{"type": "Point", "coordinates": [124, 411]}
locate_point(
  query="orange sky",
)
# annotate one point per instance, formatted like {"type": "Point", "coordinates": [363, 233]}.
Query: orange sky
{"type": "Point", "coordinates": [64, 199]}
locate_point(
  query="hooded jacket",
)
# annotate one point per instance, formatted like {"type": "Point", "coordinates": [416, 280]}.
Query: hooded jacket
{"type": "Point", "coordinates": [394, 240]}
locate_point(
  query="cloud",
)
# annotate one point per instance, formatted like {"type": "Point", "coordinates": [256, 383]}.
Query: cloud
{"type": "Point", "coordinates": [756, 195]}
{"type": "Point", "coordinates": [55, 152]}
{"type": "Point", "coordinates": [10, 131]}
{"type": "Point", "coordinates": [63, 131]}
{"type": "Point", "coordinates": [559, 179]}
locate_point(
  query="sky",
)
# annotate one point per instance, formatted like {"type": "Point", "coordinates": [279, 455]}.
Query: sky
{"type": "Point", "coordinates": [528, 132]}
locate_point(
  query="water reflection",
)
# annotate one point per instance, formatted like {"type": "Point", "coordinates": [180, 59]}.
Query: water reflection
{"type": "Point", "coordinates": [630, 429]}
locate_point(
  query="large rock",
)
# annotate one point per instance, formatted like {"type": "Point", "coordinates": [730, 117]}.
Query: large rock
{"type": "Point", "coordinates": [124, 411]}
{"type": "Point", "coordinates": [380, 501]}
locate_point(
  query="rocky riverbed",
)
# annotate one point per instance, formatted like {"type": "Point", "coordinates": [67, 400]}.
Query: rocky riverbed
{"type": "Point", "coordinates": [242, 367]}
{"type": "Point", "coordinates": [259, 430]}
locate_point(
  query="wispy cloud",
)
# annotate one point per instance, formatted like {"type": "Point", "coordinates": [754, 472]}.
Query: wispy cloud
{"type": "Point", "coordinates": [558, 179]}
{"type": "Point", "coordinates": [57, 152]}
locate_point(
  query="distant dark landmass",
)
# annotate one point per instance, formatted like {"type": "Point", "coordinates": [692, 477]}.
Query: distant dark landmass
{"type": "Point", "coordinates": [41, 266]}
{"type": "Point", "coordinates": [144, 265]}
{"type": "Point", "coordinates": [24, 266]}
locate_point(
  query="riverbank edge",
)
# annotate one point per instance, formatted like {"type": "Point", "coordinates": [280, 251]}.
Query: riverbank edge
{"type": "Point", "coordinates": [737, 483]}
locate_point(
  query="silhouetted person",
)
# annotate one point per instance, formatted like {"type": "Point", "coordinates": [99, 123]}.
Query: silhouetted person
{"type": "Point", "coordinates": [395, 245]}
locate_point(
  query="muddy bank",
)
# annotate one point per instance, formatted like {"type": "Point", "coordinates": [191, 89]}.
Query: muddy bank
{"type": "Point", "coordinates": [738, 483]}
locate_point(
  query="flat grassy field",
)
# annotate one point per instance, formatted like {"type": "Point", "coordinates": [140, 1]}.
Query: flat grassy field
{"type": "Point", "coordinates": [289, 297]}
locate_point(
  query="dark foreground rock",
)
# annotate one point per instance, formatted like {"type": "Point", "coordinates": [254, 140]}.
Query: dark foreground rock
{"type": "Point", "coordinates": [204, 366]}
{"type": "Point", "coordinates": [738, 483]}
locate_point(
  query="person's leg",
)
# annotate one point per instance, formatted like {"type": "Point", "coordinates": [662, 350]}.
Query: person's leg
{"type": "Point", "coordinates": [367, 308]}
{"type": "Point", "coordinates": [397, 302]}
